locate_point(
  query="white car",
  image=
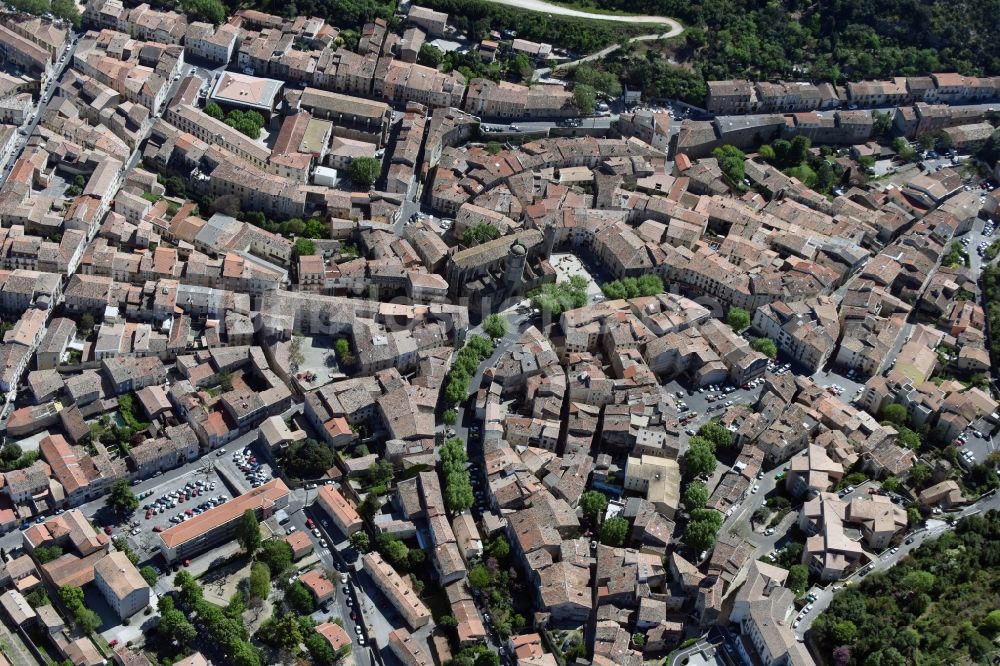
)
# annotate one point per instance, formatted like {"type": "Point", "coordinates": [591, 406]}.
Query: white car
{"type": "Point", "coordinates": [754, 490]}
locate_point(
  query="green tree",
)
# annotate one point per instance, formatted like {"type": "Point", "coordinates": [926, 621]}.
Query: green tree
{"type": "Point", "coordinates": [430, 55]}
{"type": "Point", "coordinates": [522, 66]}
{"type": "Point", "coordinates": [214, 110]}
{"type": "Point", "coordinates": [299, 598]}
{"type": "Point", "coordinates": [380, 473]}
{"type": "Point", "coordinates": [585, 99]}
{"type": "Point", "coordinates": [282, 632]}
{"type": "Point", "coordinates": [480, 233]}
{"type": "Point", "coordinates": [394, 550]}
{"type": "Point", "coordinates": [556, 298]}
{"type": "Point", "coordinates": [458, 495]}
{"type": "Point", "coordinates": [260, 580]}
{"type": "Point", "coordinates": [695, 496]}
{"type": "Point", "coordinates": [277, 554]}
{"type": "Point", "coordinates": [359, 541]}
{"type": "Point", "coordinates": [732, 162]}
{"type": "Point", "coordinates": [449, 417]}
{"type": "Point", "coordinates": [765, 346]}
{"type": "Point", "coordinates": [66, 9]}
{"type": "Point", "coordinates": [303, 247]}
{"type": "Point", "coordinates": [493, 147]}
{"type": "Point", "coordinates": [121, 499]}
{"type": "Point", "coordinates": [606, 82]}
{"type": "Point", "coordinates": [699, 459]}
{"type": "Point", "coordinates": [798, 578]}
{"type": "Point", "coordinates": [719, 435]}
{"type": "Point", "coordinates": [149, 575]}
{"type": "Point", "coordinates": [248, 532]}
{"type": "Point", "coordinates": [210, 11]}
{"type": "Point", "coordinates": [308, 458]}
{"type": "Point", "coordinates": [991, 624]}
{"type": "Point", "coordinates": [495, 326]}
{"type": "Point", "coordinates": [86, 323]}
{"type": "Point", "coordinates": [174, 626]}
{"type": "Point", "coordinates": [593, 503]}
{"type": "Point", "coordinates": [500, 548]}
{"type": "Point", "coordinates": [320, 650]}
{"type": "Point", "coordinates": [919, 474]}
{"type": "Point", "coordinates": [918, 582]}
{"type": "Point", "coordinates": [843, 632]}
{"type": "Point", "coordinates": [480, 578]}
{"type": "Point", "coordinates": [895, 413]}
{"type": "Point", "coordinates": [369, 506]}
{"type": "Point", "coordinates": [739, 319]}
{"type": "Point", "coordinates": [614, 531]}
{"type": "Point", "coordinates": [46, 554]}
{"type": "Point", "coordinates": [702, 529]}
{"type": "Point", "coordinates": [365, 171]}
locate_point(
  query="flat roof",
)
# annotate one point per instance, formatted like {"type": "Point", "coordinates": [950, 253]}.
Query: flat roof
{"type": "Point", "coordinates": [237, 89]}
{"type": "Point", "coordinates": [263, 497]}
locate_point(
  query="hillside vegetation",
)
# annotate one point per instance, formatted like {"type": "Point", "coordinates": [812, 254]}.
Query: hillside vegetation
{"type": "Point", "coordinates": [939, 606]}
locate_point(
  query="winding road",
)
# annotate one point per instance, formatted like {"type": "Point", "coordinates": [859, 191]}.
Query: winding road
{"type": "Point", "coordinates": [675, 28]}
{"type": "Point", "coordinates": [542, 6]}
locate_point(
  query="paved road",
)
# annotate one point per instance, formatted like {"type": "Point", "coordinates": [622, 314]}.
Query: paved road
{"type": "Point", "coordinates": [43, 102]}
{"type": "Point", "coordinates": [887, 559]}
{"type": "Point", "coordinates": [542, 6]}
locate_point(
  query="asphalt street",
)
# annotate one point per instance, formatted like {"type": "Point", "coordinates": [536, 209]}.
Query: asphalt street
{"type": "Point", "coordinates": [887, 559]}
{"type": "Point", "coordinates": [65, 58]}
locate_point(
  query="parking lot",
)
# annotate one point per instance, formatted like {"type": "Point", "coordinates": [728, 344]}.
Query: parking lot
{"type": "Point", "coordinates": [696, 406]}
{"type": "Point", "coordinates": [243, 468]}
{"type": "Point", "coordinates": [162, 507]}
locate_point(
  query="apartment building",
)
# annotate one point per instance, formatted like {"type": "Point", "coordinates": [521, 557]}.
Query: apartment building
{"type": "Point", "coordinates": [342, 512]}
{"type": "Point", "coordinates": [430, 21]}
{"type": "Point", "coordinates": [125, 590]}
{"type": "Point", "coordinates": [219, 524]}
{"type": "Point", "coordinates": [397, 590]}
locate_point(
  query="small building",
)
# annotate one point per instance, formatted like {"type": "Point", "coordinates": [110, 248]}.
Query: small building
{"type": "Point", "coordinates": [343, 513]}
{"type": "Point", "coordinates": [17, 608]}
{"type": "Point", "coordinates": [320, 586]}
{"type": "Point", "coordinates": [334, 635]}
{"type": "Point", "coordinates": [300, 543]}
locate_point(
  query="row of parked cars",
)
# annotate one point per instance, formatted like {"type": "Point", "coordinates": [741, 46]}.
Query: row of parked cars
{"type": "Point", "coordinates": [191, 512]}
{"type": "Point", "coordinates": [190, 490]}
{"type": "Point", "coordinates": [252, 469]}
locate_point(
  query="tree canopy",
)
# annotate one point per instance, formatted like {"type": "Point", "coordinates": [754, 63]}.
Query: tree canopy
{"type": "Point", "coordinates": [700, 458]}
{"type": "Point", "coordinates": [121, 499]}
{"type": "Point", "coordinates": [765, 346]}
{"type": "Point", "coordinates": [593, 503]}
{"type": "Point", "coordinates": [495, 326]}
{"type": "Point", "coordinates": [248, 532]}
{"type": "Point", "coordinates": [739, 319]}
{"type": "Point", "coordinates": [556, 298]}
{"type": "Point", "coordinates": [934, 606]}
{"type": "Point", "coordinates": [585, 98]}
{"type": "Point", "coordinates": [614, 531]}
{"type": "Point", "coordinates": [365, 171]}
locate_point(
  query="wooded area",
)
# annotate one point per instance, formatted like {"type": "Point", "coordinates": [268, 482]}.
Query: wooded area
{"type": "Point", "coordinates": [938, 606]}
